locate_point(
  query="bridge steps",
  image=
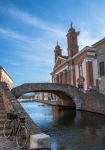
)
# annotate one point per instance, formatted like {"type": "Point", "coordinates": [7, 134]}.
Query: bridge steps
{"type": "Point", "coordinates": [2, 116]}
{"type": "Point", "coordinates": [5, 143]}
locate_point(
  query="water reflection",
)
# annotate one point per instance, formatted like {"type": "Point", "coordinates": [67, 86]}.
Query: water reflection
{"type": "Point", "coordinates": [69, 129]}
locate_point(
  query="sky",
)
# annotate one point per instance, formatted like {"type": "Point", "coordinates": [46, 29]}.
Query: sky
{"type": "Point", "coordinates": [30, 29]}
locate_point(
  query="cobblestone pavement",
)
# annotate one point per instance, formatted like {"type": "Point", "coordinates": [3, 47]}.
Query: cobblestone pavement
{"type": "Point", "coordinates": [6, 144]}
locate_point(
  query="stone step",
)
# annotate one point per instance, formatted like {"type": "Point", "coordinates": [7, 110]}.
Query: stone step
{"type": "Point", "coordinates": [1, 133]}
{"type": "Point", "coordinates": [2, 121]}
{"type": "Point", "coordinates": [1, 103]}
{"type": "Point", "coordinates": [2, 109]}
{"type": "Point", "coordinates": [1, 128]}
{"type": "Point", "coordinates": [3, 115]}
{"type": "Point", "coordinates": [2, 125]}
{"type": "Point", "coordinates": [2, 106]}
{"type": "Point", "coordinates": [3, 118]}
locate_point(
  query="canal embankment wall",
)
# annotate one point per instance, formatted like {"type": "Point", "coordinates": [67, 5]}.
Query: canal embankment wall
{"type": "Point", "coordinates": [93, 101]}
{"type": "Point", "coordinates": [11, 104]}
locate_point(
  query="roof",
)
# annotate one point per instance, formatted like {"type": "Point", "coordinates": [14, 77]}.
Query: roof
{"type": "Point", "coordinates": [57, 46]}
{"type": "Point", "coordinates": [65, 57]}
{"type": "Point", "coordinates": [85, 49]}
{"type": "Point", "coordinates": [1, 68]}
{"type": "Point", "coordinates": [99, 42]}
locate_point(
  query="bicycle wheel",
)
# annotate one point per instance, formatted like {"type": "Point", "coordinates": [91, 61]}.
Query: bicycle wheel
{"type": "Point", "coordinates": [8, 128]}
{"type": "Point", "coordinates": [22, 137]}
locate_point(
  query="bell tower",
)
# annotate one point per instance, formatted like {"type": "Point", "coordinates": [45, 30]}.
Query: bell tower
{"type": "Point", "coordinates": [72, 41]}
{"type": "Point", "coordinates": [58, 51]}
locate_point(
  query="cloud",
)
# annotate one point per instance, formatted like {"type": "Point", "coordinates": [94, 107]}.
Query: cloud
{"type": "Point", "coordinates": [26, 42]}
{"type": "Point", "coordinates": [33, 21]}
{"type": "Point", "coordinates": [15, 35]}
{"type": "Point", "coordinates": [39, 59]}
{"type": "Point", "coordinates": [85, 39]}
{"type": "Point", "coordinates": [52, 30]}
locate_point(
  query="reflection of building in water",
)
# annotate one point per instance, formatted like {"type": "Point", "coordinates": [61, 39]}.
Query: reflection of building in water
{"type": "Point", "coordinates": [78, 68]}
{"type": "Point", "coordinates": [42, 96]}
{"type": "Point", "coordinates": [62, 116]}
{"type": "Point", "coordinates": [5, 77]}
{"type": "Point", "coordinates": [56, 113]}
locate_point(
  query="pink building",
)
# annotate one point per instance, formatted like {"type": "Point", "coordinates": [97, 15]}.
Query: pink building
{"type": "Point", "coordinates": [78, 68]}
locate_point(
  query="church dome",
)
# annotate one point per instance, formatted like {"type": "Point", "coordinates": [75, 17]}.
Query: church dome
{"type": "Point", "coordinates": [71, 29]}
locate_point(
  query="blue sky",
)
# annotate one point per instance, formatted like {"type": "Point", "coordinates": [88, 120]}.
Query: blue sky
{"type": "Point", "coordinates": [29, 30]}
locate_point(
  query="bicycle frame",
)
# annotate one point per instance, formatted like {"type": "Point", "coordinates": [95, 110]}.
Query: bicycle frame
{"type": "Point", "coordinates": [16, 126]}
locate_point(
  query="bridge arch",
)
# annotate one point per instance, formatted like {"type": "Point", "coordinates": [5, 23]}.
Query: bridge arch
{"type": "Point", "coordinates": [68, 93]}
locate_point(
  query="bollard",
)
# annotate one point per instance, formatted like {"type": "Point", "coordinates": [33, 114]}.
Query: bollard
{"type": "Point", "coordinates": [40, 141]}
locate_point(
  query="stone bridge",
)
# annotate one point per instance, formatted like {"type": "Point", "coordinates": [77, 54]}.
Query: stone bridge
{"type": "Point", "coordinates": [68, 94]}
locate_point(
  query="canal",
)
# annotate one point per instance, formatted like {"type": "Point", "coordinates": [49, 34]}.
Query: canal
{"type": "Point", "coordinates": [69, 129]}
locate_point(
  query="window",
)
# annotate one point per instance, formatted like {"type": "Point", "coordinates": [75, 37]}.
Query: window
{"type": "Point", "coordinates": [80, 70]}
{"type": "Point", "coordinates": [101, 68]}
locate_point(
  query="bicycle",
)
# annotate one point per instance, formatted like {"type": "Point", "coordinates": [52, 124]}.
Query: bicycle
{"type": "Point", "coordinates": [15, 125]}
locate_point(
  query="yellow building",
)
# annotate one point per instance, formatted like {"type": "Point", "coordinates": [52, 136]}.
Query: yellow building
{"type": "Point", "coordinates": [43, 96]}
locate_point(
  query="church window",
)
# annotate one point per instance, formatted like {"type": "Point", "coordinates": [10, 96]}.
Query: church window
{"type": "Point", "coordinates": [80, 70]}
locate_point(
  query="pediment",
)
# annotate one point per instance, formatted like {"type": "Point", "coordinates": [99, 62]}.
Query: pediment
{"type": "Point", "coordinates": [59, 61]}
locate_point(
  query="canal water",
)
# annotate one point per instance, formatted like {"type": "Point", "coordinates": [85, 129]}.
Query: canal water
{"type": "Point", "coordinates": [69, 129]}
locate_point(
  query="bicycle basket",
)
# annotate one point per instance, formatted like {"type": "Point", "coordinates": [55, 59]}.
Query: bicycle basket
{"type": "Point", "coordinates": [10, 116]}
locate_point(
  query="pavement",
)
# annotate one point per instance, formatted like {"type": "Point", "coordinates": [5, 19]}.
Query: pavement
{"type": "Point", "coordinates": [6, 144]}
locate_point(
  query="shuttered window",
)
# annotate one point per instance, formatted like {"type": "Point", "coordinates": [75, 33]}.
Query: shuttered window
{"type": "Point", "coordinates": [102, 68]}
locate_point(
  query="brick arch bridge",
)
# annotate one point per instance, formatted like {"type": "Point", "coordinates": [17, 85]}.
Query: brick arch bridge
{"type": "Point", "coordinates": [69, 94]}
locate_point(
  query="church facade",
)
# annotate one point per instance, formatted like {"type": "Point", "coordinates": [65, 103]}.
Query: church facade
{"type": "Point", "coordinates": [79, 68]}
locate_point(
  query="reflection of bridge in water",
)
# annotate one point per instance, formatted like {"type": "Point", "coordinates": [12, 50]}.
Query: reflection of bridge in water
{"type": "Point", "coordinates": [70, 95]}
